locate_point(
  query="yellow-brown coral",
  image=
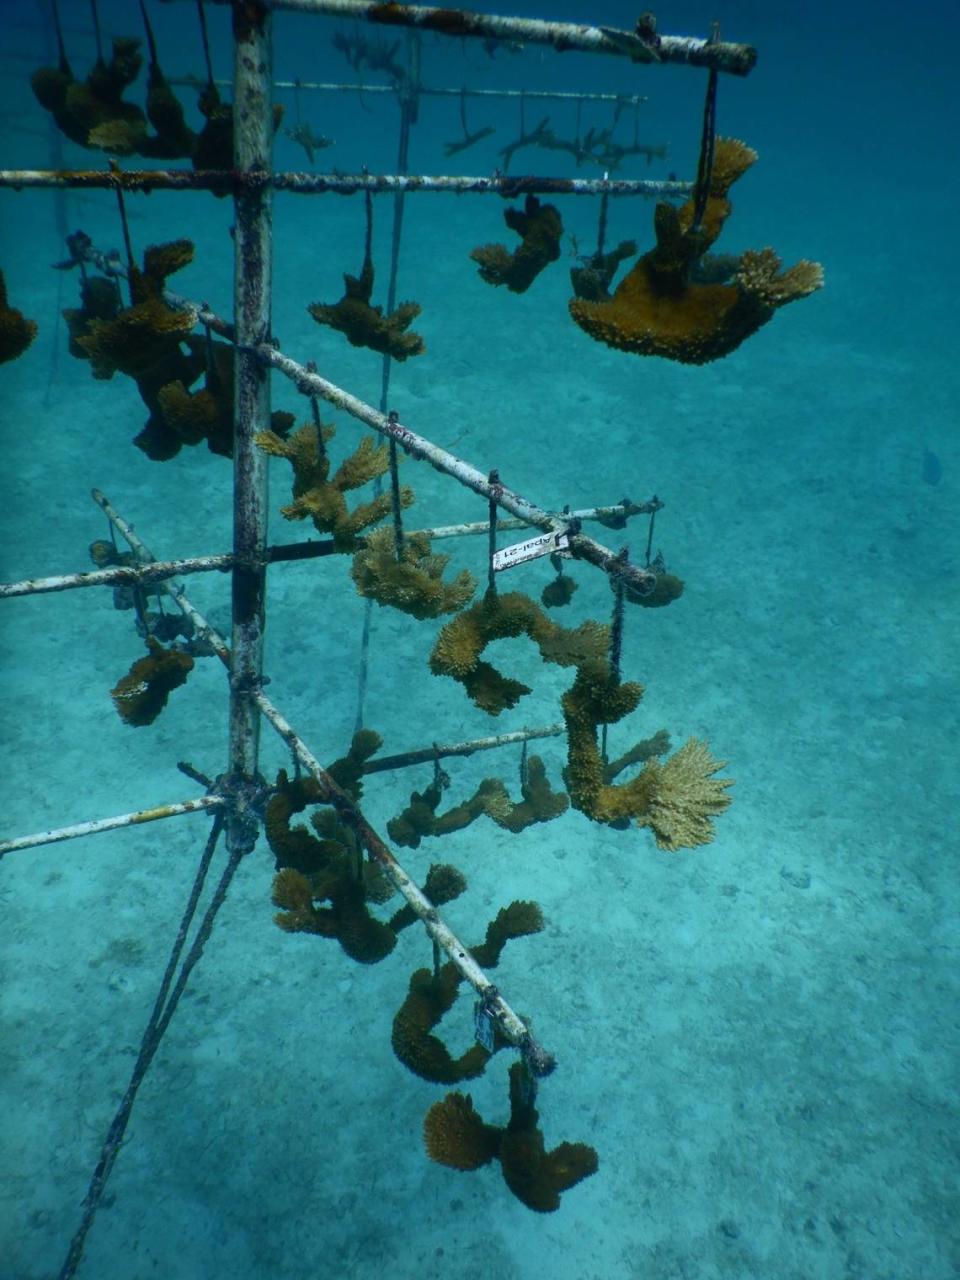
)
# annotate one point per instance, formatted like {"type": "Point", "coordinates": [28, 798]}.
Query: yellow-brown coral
{"type": "Point", "coordinates": [321, 498]}
{"type": "Point", "coordinates": [213, 145]}
{"type": "Point", "coordinates": [365, 325]}
{"type": "Point", "coordinates": [333, 876]}
{"type": "Point", "coordinates": [667, 588]}
{"type": "Point", "coordinates": [540, 803]}
{"type": "Point", "coordinates": [659, 308]}
{"type": "Point", "coordinates": [537, 1177]}
{"type": "Point", "coordinates": [456, 1136]}
{"type": "Point", "coordinates": [591, 279]}
{"type": "Point", "coordinates": [558, 592]}
{"type": "Point", "coordinates": [676, 798]}
{"type": "Point", "coordinates": [759, 276]}
{"type": "Point", "coordinates": [595, 698]}
{"type": "Point", "coordinates": [144, 341]}
{"type": "Point", "coordinates": [457, 650]}
{"type": "Point", "coordinates": [16, 332]}
{"type": "Point", "coordinates": [82, 108]}
{"type": "Point", "coordinates": [444, 883]}
{"type": "Point", "coordinates": [683, 795]}
{"type": "Point", "coordinates": [540, 227]}
{"type": "Point", "coordinates": [429, 998]}
{"type": "Point", "coordinates": [414, 582]}
{"type": "Point", "coordinates": [420, 817]}
{"type": "Point", "coordinates": [432, 995]}
{"type": "Point", "coordinates": [142, 693]}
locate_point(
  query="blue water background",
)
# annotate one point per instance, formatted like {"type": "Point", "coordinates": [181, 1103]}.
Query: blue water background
{"type": "Point", "coordinates": [760, 1037]}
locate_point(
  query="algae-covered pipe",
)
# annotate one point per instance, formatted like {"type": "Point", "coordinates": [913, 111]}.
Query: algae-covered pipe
{"type": "Point", "coordinates": [644, 44]}
{"type": "Point", "coordinates": [252, 143]}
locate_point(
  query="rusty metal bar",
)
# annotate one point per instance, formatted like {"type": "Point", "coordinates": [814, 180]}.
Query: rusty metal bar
{"type": "Point", "coordinates": [504, 185]}
{"type": "Point", "coordinates": [309, 383]}
{"type": "Point", "coordinates": [159, 571]}
{"type": "Point", "coordinates": [426, 755]}
{"type": "Point", "coordinates": [201, 804]}
{"type": "Point", "coordinates": [642, 45]}
{"type": "Point", "coordinates": [299, 183]}
{"type": "Point", "coordinates": [252, 142]}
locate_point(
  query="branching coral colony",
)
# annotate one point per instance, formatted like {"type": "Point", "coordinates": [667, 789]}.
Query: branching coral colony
{"type": "Point", "coordinates": [94, 114]}
{"type": "Point", "coordinates": [661, 308]}
{"type": "Point", "coordinates": [334, 877]}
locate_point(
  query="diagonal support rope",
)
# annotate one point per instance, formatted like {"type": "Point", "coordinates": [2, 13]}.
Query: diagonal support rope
{"type": "Point", "coordinates": [164, 1007]}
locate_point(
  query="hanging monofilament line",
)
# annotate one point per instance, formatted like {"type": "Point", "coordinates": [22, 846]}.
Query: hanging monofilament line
{"type": "Point", "coordinates": [708, 139]}
{"type": "Point", "coordinates": [441, 779]}
{"type": "Point", "coordinates": [494, 479]}
{"type": "Point", "coordinates": [408, 113]}
{"type": "Point", "coordinates": [602, 220]}
{"type": "Point", "coordinates": [616, 638]}
{"type": "Point", "coordinates": [395, 491]}
{"type": "Point", "coordinates": [210, 361]}
{"type": "Point", "coordinates": [653, 516]}
{"type": "Point", "coordinates": [528, 1085]}
{"type": "Point", "coordinates": [96, 30]}
{"type": "Point", "coordinates": [616, 625]}
{"type": "Point", "coordinates": [205, 40]}
{"type": "Point", "coordinates": [318, 425]}
{"type": "Point", "coordinates": [140, 608]}
{"type": "Point", "coordinates": [127, 244]}
{"type": "Point", "coordinates": [358, 864]}
{"type": "Point", "coordinates": [61, 220]}
{"type": "Point", "coordinates": [408, 92]}
{"type": "Point", "coordinates": [61, 48]}
{"type": "Point", "coordinates": [151, 43]}
{"type": "Point", "coordinates": [163, 1010]}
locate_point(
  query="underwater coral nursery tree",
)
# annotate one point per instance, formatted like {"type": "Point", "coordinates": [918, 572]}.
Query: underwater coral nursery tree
{"type": "Point", "coordinates": [331, 878]}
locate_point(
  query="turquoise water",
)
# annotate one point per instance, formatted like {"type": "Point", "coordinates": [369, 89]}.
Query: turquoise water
{"type": "Point", "coordinates": [758, 1036]}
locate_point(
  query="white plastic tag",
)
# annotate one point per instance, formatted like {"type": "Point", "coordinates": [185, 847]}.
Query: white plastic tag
{"type": "Point", "coordinates": [543, 545]}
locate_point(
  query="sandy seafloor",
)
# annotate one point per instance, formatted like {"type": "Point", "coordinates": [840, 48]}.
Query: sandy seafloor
{"type": "Point", "coordinates": [760, 1036]}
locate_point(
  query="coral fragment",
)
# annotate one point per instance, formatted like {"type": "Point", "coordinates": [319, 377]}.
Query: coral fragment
{"type": "Point", "coordinates": [540, 228]}
{"type": "Point", "coordinates": [662, 308]}
{"type": "Point", "coordinates": [683, 796]}
{"type": "Point", "coordinates": [142, 693]}
{"type": "Point", "coordinates": [16, 332]}
{"type": "Point", "coordinates": [455, 1135]}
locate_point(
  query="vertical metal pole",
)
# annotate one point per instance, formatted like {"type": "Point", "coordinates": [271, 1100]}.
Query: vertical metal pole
{"type": "Point", "coordinates": [252, 142]}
